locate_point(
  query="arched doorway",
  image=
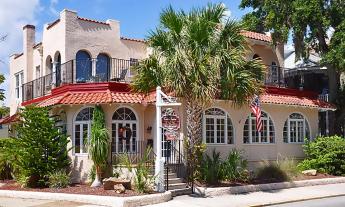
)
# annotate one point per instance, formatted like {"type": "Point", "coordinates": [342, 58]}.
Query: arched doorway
{"type": "Point", "coordinates": [57, 60]}
{"type": "Point", "coordinates": [102, 67]}
{"type": "Point", "coordinates": [83, 67]}
{"type": "Point", "coordinates": [124, 131]}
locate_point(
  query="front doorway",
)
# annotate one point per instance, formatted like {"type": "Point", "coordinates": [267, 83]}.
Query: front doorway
{"type": "Point", "coordinates": [124, 131]}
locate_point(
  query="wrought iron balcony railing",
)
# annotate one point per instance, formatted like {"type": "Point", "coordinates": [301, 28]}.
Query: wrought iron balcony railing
{"type": "Point", "coordinates": [80, 71]}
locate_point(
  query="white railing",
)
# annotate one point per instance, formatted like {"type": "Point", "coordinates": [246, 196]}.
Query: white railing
{"type": "Point", "coordinates": [323, 97]}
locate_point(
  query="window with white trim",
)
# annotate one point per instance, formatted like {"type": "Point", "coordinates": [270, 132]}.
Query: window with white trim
{"type": "Point", "coordinates": [217, 127]}
{"type": "Point", "coordinates": [250, 133]}
{"type": "Point", "coordinates": [19, 81]}
{"type": "Point", "coordinates": [82, 130]}
{"type": "Point", "coordinates": [296, 128]}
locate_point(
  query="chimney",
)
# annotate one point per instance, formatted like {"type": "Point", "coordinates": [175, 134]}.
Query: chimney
{"type": "Point", "coordinates": [28, 43]}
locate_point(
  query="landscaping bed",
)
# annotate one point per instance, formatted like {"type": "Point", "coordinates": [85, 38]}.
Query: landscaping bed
{"type": "Point", "coordinates": [256, 181]}
{"type": "Point", "coordinates": [72, 189]}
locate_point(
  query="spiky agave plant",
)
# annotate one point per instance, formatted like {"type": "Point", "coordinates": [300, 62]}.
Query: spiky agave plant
{"type": "Point", "coordinates": [99, 144]}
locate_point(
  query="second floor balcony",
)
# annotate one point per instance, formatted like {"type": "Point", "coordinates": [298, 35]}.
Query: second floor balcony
{"type": "Point", "coordinates": [80, 71]}
{"type": "Point", "coordinates": [103, 70]}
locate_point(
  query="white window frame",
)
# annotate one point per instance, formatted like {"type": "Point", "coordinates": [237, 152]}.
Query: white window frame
{"type": "Point", "coordinates": [75, 123]}
{"type": "Point", "coordinates": [296, 120]}
{"type": "Point", "coordinates": [252, 119]}
{"type": "Point", "coordinates": [215, 118]}
{"type": "Point", "coordinates": [19, 84]}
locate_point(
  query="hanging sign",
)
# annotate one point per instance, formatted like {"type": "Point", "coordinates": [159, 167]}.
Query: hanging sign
{"type": "Point", "coordinates": [170, 124]}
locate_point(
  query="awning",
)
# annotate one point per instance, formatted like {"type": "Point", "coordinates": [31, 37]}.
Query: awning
{"type": "Point", "coordinates": [9, 119]}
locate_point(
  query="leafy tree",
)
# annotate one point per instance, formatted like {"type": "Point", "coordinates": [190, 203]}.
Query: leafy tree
{"type": "Point", "coordinates": [99, 144]}
{"type": "Point", "coordinates": [308, 21]}
{"type": "Point", "coordinates": [200, 56]}
{"type": "Point", "coordinates": [40, 147]}
{"type": "Point", "coordinates": [2, 94]}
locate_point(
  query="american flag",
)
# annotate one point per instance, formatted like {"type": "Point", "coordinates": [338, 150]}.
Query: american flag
{"type": "Point", "coordinates": [255, 106]}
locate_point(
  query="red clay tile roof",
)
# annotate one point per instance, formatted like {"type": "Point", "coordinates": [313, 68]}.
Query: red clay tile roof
{"type": "Point", "coordinates": [9, 119]}
{"type": "Point", "coordinates": [97, 97]}
{"type": "Point", "coordinates": [92, 20]}
{"type": "Point", "coordinates": [133, 39]}
{"type": "Point", "coordinates": [256, 36]}
{"type": "Point", "coordinates": [295, 101]}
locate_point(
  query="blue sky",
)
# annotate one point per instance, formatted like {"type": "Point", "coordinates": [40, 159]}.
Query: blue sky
{"type": "Point", "coordinates": [137, 18]}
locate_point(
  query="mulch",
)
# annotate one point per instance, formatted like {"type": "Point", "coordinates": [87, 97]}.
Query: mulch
{"type": "Point", "coordinates": [72, 189]}
{"type": "Point", "coordinates": [255, 181]}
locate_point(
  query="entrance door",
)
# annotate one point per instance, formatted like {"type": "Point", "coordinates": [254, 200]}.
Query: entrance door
{"type": "Point", "coordinates": [125, 137]}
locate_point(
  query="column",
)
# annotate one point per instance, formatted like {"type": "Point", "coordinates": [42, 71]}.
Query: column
{"type": "Point", "coordinates": [53, 82]}
{"type": "Point", "coordinates": [94, 65]}
{"type": "Point", "coordinates": [159, 162]}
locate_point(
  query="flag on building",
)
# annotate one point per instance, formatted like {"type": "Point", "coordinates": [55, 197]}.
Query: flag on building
{"type": "Point", "coordinates": [256, 108]}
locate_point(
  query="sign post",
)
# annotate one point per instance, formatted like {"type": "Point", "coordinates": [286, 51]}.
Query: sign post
{"type": "Point", "coordinates": [162, 100]}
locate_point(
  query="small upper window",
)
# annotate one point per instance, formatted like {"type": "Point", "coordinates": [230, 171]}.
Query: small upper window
{"type": "Point", "coordinates": [124, 114]}
{"type": "Point", "coordinates": [218, 128]}
{"type": "Point", "coordinates": [296, 129]}
{"type": "Point", "coordinates": [251, 135]}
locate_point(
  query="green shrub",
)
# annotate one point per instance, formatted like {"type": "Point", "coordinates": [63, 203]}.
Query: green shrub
{"type": "Point", "coordinates": [234, 167]}
{"type": "Point", "coordinates": [6, 168]}
{"type": "Point", "coordinates": [59, 179]}
{"type": "Point", "coordinates": [283, 169]}
{"type": "Point", "coordinates": [211, 168]}
{"type": "Point", "coordinates": [92, 174]}
{"type": "Point", "coordinates": [271, 172]}
{"type": "Point", "coordinates": [325, 154]}
{"type": "Point", "coordinates": [143, 181]}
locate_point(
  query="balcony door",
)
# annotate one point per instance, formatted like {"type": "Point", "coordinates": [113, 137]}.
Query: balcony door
{"type": "Point", "coordinates": [102, 68]}
{"type": "Point", "coordinates": [83, 67]}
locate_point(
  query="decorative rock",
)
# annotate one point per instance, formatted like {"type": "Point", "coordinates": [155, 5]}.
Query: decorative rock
{"type": "Point", "coordinates": [119, 188]}
{"type": "Point", "coordinates": [309, 172]}
{"type": "Point", "coordinates": [108, 183]}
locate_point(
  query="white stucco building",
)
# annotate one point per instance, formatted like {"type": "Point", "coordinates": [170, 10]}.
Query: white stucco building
{"type": "Point", "coordinates": [81, 63]}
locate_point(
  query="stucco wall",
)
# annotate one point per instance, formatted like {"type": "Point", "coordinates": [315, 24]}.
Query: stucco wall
{"type": "Point", "coordinates": [254, 153]}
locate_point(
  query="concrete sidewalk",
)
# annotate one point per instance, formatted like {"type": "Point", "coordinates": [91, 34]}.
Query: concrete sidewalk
{"type": "Point", "coordinates": [258, 198]}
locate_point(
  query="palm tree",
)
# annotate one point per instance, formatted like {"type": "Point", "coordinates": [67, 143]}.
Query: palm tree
{"type": "Point", "coordinates": [98, 145]}
{"type": "Point", "coordinates": [200, 56]}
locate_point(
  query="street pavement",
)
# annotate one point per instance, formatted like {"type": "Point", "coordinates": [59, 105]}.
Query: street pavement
{"type": "Point", "coordinates": [331, 202]}
{"type": "Point", "coordinates": [260, 198]}
{"type": "Point", "coordinates": [19, 202]}
{"type": "Point", "coordinates": [240, 200]}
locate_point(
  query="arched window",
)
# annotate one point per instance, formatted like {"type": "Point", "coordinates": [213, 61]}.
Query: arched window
{"type": "Point", "coordinates": [102, 67]}
{"type": "Point", "coordinates": [84, 67]}
{"type": "Point", "coordinates": [82, 130]}
{"type": "Point", "coordinates": [124, 131]}
{"type": "Point", "coordinates": [251, 135]}
{"type": "Point", "coordinates": [296, 128]}
{"type": "Point", "coordinates": [217, 127]}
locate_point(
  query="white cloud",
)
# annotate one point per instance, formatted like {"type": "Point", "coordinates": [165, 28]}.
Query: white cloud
{"type": "Point", "coordinates": [52, 8]}
{"type": "Point", "coordinates": [14, 14]}
{"type": "Point", "coordinates": [227, 12]}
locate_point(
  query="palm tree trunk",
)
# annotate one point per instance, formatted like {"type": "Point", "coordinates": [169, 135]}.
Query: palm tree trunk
{"type": "Point", "coordinates": [194, 135]}
{"type": "Point", "coordinates": [97, 182]}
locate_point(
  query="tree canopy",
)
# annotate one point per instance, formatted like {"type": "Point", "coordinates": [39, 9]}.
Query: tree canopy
{"type": "Point", "coordinates": [200, 55]}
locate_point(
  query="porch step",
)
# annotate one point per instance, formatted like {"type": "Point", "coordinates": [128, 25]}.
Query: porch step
{"type": "Point", "coordinates": [175, 180]}
{"type": "Point", "coordinates": [179, 192]}
{"type": "Point", "coordinates": [170, 175]}
{"type": "Point", "coordinates": [176, 186]}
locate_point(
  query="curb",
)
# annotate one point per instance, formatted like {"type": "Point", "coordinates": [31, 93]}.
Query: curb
{"type": "Point", "coordinates": [297, 200]}
{"type": "Point", "coordinates": [207, 192]}
{"type": "Point", "coordinates": [92, 199]}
